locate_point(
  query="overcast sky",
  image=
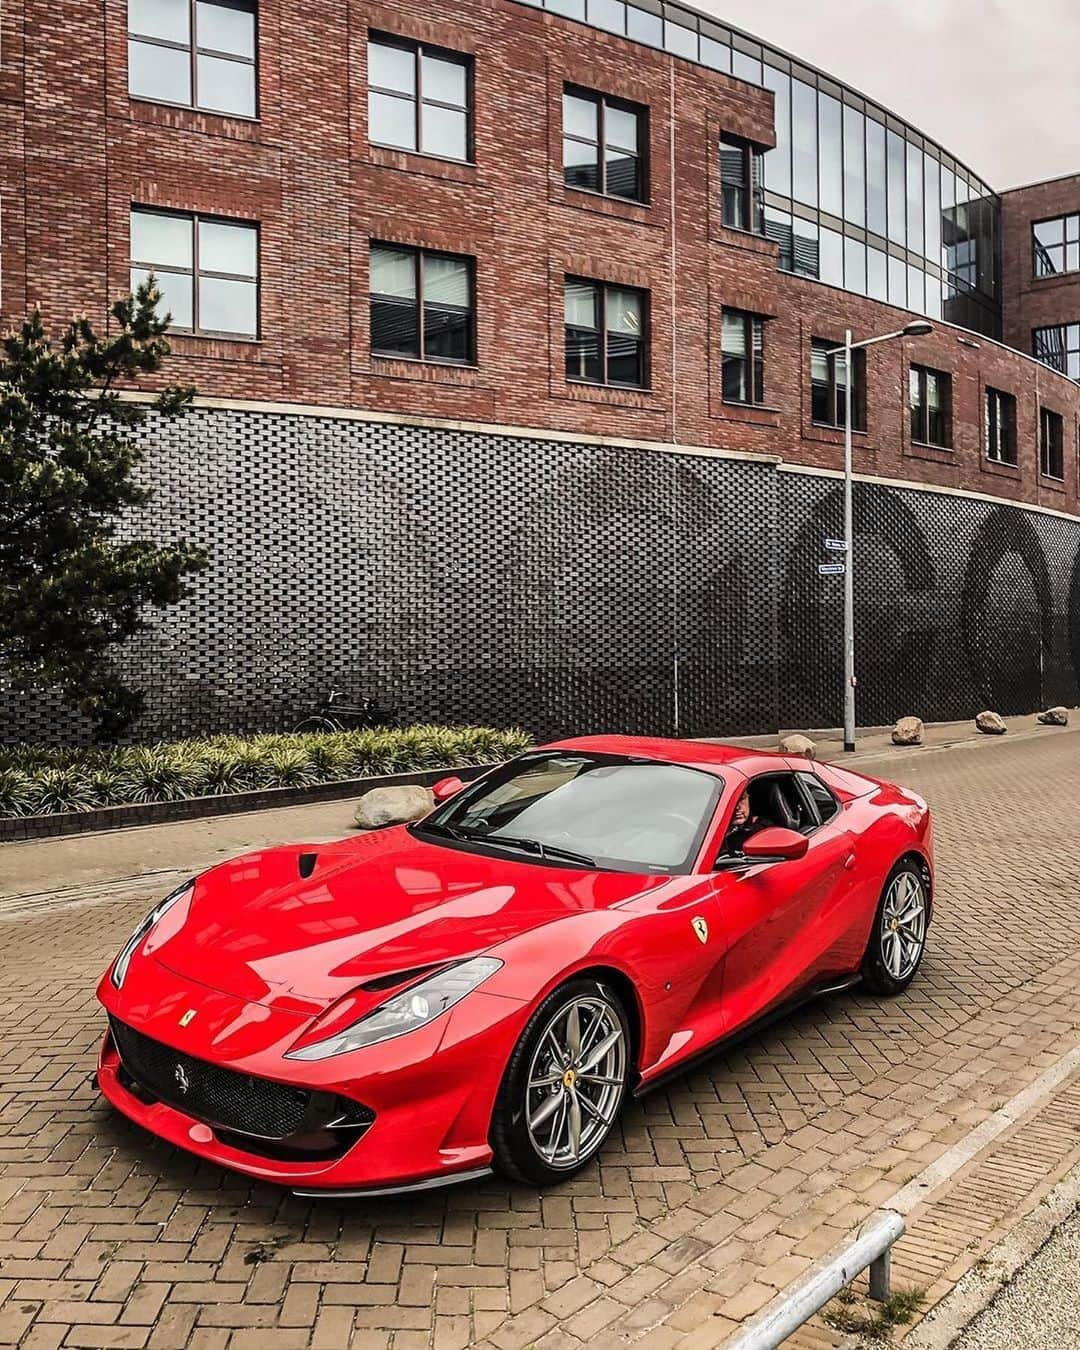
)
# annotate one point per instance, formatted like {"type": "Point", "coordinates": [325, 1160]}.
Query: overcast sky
{"type": "Point", "coordinates": [996, 82]}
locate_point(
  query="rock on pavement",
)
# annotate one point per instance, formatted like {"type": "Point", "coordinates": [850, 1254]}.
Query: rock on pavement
{"type": "Point", "coordinates": [908, 731]}
{"type": "Point", "coordinates": [990, 724]}
{"type": "Point", "coordinates": [392, 806]}
{"type": "Point", "coordinates": [797, 745]}
{"type": "Point", "coordinates": [1054, 717]}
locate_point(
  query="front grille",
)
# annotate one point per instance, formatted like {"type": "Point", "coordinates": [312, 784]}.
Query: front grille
{"type": "Point", "coordinates": [236, 1102]}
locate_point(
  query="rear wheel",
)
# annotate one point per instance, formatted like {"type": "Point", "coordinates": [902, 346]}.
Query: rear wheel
{"type": "Point", "coordinates": [898, 939]}
{"type": "Point", "coordinates": [564, 1085]}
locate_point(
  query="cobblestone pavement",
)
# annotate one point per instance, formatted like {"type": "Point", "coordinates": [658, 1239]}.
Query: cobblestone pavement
{"type": "Point", "coordinates": [714, 1195]}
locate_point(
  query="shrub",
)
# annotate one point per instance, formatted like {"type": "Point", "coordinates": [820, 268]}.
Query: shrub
{"type": "Point", "coordinates": [41, 780]}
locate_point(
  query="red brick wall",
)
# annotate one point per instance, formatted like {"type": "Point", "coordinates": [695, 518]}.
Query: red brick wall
{"type": "Point", "coordinates": [75, 152]}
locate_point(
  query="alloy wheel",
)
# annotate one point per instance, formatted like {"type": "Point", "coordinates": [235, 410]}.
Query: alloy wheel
{"type": "Point", "coordinates": [903, 925]}
{"type": "Point", "coordinates": [576, 1081]}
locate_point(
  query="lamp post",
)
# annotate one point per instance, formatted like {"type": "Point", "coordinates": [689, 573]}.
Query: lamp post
{"type": "Point", "coordinates": [918, 328]}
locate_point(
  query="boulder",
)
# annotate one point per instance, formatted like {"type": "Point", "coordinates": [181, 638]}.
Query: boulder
{"type": "Point", "coordinates": [990, 724]}
{"type": "Point", "coordinates": [1054, 717]}
{"type": "Point", "coordinates": [908, 731]}
{"type": "Point", "coordinates": [797, 745]}
{"type": "Point", "coordinates": [392, 806]}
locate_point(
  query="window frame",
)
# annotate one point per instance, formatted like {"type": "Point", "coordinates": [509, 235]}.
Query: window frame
{"type": "Point", "coordinates": [1051, 443]}
{"type": "Point", "coordinates": [755, 377]}
{"type": "Point", "coordinates": [801, 777]}
{"type": "Point", "coordinates": [419, 253]}
{"type": "Point", "coordinates": [1066, 239]}
{"type": "Point", "coordinates": [418, 50]}
{"type": "Point", "coordinates": [1064, 329]}
{"type": "Point", "coordinates": [993, 426]}
{"type": "Point", "coordinates": [604, 101]}
{"type": "Point", "coordinates": [194, 51]}
{"type": "Point", "coordinates": [924, 407]}
{"type": "Point", "coordinates": [601, 289]}
{"type": "Point", "coordinates": [856, 384]}
{"type": "Point", "coordinates": [195, 272]}
{"type": "Point", "coordinates": [751, 186]}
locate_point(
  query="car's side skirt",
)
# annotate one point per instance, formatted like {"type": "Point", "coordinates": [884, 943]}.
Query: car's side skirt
{"type": "Point", "coordinates": [748, 1029]}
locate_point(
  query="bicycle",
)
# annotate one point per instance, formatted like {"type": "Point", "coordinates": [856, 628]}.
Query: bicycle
{"type": "Point", "coordinates": [335, 714]}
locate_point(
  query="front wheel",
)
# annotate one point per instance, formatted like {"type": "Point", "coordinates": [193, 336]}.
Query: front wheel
{"type": "Point", "coordinates": [564, 1085]}
{"type": "Point", "coordinates": [898, 938]}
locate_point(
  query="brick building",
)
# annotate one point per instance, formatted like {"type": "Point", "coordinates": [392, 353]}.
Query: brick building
{"type": "Point", "coordinates": [510, 328]}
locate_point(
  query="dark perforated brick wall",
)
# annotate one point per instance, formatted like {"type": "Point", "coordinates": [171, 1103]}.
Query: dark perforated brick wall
{"type": "Point", "coordinates": [564, 587]}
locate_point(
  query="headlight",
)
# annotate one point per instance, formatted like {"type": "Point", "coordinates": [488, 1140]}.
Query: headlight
{"type": "Point", "coordinates": [120, 966]}
{"type": "Point", "coordinates": [407, 1011]}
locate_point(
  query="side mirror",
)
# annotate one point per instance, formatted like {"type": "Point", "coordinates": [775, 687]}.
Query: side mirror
{"type": "Point", "coordinates": [446, 788]}
{"type": "Point", "coordinates": [774, 844]}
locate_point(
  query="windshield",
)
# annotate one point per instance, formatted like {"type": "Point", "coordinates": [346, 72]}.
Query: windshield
{"type": "Point", "coordinates": [585, 810]}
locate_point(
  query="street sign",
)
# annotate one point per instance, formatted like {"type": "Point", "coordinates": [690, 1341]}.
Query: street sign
{"type": "Point", "coordinates": [831, 569]}
{"type": "Point", "coordinates": [836, 545]}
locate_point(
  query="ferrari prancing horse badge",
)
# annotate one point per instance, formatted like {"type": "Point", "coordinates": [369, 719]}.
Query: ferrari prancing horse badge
{"type": "Point", "coordinates": [700, 927]}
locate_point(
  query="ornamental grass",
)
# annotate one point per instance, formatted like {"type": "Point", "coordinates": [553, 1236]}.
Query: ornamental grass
{"type": "Point", "coordinates": [40, 780]}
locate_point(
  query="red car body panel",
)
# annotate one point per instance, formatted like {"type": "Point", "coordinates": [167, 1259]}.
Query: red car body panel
{"type": "Point", "coordinates": [264, 960]}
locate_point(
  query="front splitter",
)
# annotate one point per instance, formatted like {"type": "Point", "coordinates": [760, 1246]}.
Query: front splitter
{"type": "Point", "coordinates": [429, 1184]}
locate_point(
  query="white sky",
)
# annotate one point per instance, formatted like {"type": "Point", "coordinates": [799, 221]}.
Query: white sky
{"type": "Point", "coordinates": [996, 82]}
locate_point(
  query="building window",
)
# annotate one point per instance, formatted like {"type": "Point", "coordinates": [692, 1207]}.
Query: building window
{"type": "Point", "coordinates": [419, 98]}
{"type": "Point", "coordinates": [199, 53]}
{"type": "Point", "coordinates": [605, 333]}
{"type": "Point", "coordinates": [206, 268]}
{"type": "Point", "coordinates": [930, 394]}
{"type": "Point", "coordinates": [422, 305]}
{"type": "Point", "coordinates": [603, 144]}
{"type": "Point", "coordinates": [1000, 420]}
{"type": "Point", "coordinates": [829, 386]}
{"type": "Point", "coordinates": [743, 357]}
{"type": "Point", "coordinates": [1059, 347]}
{"type": "Point", "coordinates": [1056, 245]}
{"type": "Point", "coordinates": [740, 184]}
{"type": "Point", "coordinates": [1051, 444]}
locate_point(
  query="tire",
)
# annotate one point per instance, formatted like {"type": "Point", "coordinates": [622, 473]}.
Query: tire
{"type": "Point", "coordinates": [318, 724]}
{"type": "Point", "coordinates": [533, 1127]}
{"type": "Point", "coordinates": [898, 943]}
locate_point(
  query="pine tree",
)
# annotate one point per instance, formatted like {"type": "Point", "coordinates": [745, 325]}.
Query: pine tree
{"type": "Point", "coordinates": [72, 586]}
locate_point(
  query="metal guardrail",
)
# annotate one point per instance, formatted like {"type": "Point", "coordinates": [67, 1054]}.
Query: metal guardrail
{"type": "Point", "coordinates": [787, 1312]}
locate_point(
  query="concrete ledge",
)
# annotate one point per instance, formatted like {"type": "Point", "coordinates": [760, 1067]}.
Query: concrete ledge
{"type": "Point", "coordinates": [232, 803]}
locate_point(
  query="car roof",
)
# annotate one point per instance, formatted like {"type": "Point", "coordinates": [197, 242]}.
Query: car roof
{"type": "Point", "coordinates": [712, 756]}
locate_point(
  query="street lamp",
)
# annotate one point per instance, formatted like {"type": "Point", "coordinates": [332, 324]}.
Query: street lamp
{"type": "Point", "coordinates": [917, 328]}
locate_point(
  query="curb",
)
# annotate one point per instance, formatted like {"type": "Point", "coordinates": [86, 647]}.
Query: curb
{"type": "Point", "coordinates": [22, 828]}
{"type": "Point", "coordinates": [975, 1292]}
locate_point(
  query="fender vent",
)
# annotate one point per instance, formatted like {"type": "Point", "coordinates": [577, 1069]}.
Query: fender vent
{"type": "Point", "coordinates": [381, 982]}
{"type": "Point", "coordinates": [305, 864]}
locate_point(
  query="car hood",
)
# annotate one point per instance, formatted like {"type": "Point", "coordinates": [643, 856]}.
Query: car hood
{"type": "Point", "coordinates": [370, 908]}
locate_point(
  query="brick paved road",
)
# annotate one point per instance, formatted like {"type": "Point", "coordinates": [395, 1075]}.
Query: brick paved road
{"type": "Point", "coordinates": [718, 1191]}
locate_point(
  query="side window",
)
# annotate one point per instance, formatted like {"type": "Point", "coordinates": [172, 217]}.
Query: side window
{"type": "Point", "coordinates": [825, 804]}
{"type": "Point", "coordinates": [776, 800]}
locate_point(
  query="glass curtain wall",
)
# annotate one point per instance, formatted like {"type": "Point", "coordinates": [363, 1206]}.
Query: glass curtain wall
{"type": "Point", "coordinates": [853, 196]}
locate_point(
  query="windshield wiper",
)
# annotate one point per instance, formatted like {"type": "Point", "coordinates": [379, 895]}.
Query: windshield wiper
{"type": "Point", "coordinates": [451, 831]}
{"type": "Point", "coordinates": [541, 849]}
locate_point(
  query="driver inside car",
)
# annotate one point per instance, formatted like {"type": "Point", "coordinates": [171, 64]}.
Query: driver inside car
{"type": "Point", "coordinates": [743, 824]}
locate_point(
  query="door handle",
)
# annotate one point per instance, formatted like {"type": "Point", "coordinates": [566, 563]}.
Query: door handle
{"type": "Point", "coordinates": [849, 862]}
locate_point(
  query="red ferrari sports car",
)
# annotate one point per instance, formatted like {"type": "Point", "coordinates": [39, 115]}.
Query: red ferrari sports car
{"type": "Point", "coordinates": [483, 988]}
